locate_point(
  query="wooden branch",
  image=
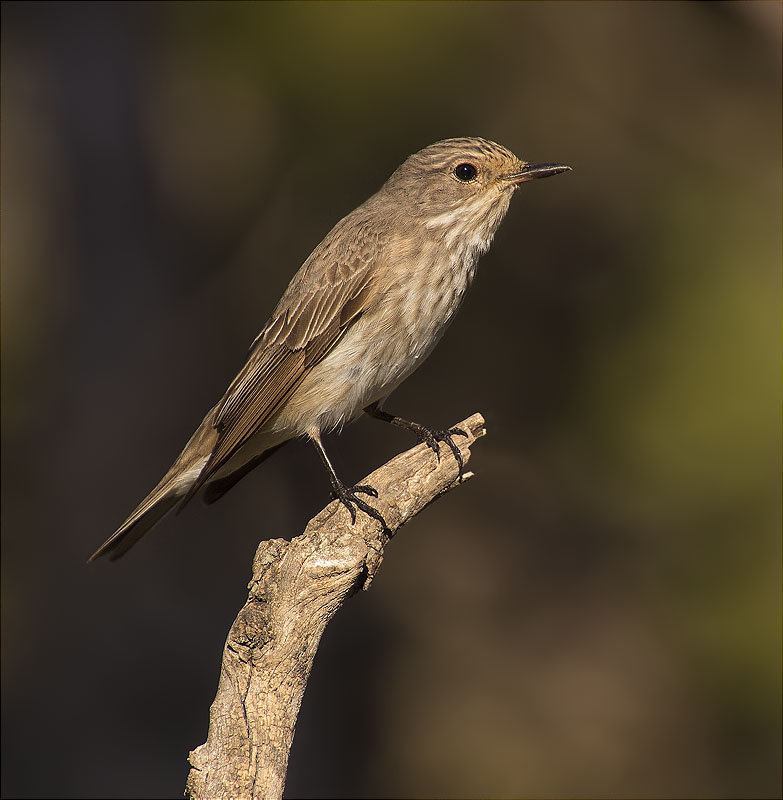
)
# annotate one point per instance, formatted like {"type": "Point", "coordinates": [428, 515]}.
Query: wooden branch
{"type": "Point", "coordinates": [296, 588]}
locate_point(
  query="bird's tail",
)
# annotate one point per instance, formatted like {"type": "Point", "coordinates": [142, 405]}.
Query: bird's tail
{"type": "Point", "coordinates": [172, 488]}
{"type": "Point", "coordinates": [149, 512]}
{"type": "Point", "coordinates": [175, 487]}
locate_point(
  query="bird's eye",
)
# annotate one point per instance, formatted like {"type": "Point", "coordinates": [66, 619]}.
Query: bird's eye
{"type": "Point", "coordinates": [465, 172]}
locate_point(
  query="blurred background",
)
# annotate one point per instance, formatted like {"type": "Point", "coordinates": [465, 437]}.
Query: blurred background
{"type": "Point", "coordinates": [598, 613]}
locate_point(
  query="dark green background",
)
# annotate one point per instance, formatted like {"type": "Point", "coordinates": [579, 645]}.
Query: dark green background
{"type": "Point", "coordinates": [598, 612]}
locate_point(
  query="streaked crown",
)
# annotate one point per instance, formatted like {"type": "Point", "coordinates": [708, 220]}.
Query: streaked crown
{"type": "Point", "coordinates": [454, 170]}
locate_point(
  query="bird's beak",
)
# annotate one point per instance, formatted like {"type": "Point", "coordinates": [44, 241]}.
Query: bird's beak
{"type": "Point", "coordinates": [532, 171]}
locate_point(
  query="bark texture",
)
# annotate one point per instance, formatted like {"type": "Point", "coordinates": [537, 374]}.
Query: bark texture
{"type": "Point", "coordinates": [296, 588]}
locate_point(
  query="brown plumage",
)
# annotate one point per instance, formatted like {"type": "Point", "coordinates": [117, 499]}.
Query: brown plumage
{"type": "Point", "coordinates": [364, 310]}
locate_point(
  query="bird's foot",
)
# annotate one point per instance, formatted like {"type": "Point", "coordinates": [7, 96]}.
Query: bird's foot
{"type": "Point", "coordinates": [428, 436]}
{"type": "Point", "coordinates": [431, 437]}
{"type": "Point", "coordinates": [347, 496]}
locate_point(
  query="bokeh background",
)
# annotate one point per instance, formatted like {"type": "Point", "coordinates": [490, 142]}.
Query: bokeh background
{"type": "Point", "coordinates": [598, 612]}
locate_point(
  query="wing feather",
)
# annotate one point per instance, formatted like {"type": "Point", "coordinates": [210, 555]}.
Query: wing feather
{"type": "Point", "coordinates": [306, 325]}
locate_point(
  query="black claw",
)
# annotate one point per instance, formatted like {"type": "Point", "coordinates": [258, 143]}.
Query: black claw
{"type": "Point", "coordinates": [365, 489]}
{"type": "Point", "coordinates": [431, 437]}
{"type": "Point", "coordinates": [347, 496]}
{"type": "Point", "coordinates": [457, 455]}
{"type": "Point", "coordinates": [425, 435]}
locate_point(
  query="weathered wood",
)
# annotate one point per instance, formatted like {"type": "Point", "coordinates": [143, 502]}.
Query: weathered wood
{"type": "Point", "coordinates": [296, 588]}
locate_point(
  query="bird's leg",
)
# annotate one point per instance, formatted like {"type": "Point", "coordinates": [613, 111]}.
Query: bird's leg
{"type": "Point", "coordinates": [347, 494]}
{"type": "Point", "coordinates": [430, 436]}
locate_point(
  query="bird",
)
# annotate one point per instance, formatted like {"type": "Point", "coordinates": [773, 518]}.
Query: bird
{"type": "Point", "coordinates": [361, 314]}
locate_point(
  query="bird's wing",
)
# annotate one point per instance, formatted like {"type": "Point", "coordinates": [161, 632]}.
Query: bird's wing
{"type": "Point", "coordinates": [309, 321]}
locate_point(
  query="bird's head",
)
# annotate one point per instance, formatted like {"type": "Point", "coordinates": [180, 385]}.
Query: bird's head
{"type": "Point", "coordinates": [462, 187]}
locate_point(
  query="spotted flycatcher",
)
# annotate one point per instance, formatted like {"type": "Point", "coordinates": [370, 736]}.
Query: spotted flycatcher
{"type": "Point", "coordinates": [363, 312]}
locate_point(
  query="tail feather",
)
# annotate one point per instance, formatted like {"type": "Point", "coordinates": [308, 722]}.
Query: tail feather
{"type": "Point", "coordinates": [177, 484]}
{"type": "Point", "coordinates": [162, 499]}
{"type": "Point", "coordinates": [174, 485]}
{"type": "Point", "coordinates": [148, 514]}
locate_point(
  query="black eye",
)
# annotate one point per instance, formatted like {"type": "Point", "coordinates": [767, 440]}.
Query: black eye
{"type": "Point", "coordinates": [465, 172]}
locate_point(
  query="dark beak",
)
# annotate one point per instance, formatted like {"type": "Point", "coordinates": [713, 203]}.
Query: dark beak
{"type": "Point", "coordinates": [532, 171]}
